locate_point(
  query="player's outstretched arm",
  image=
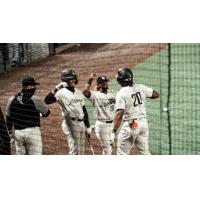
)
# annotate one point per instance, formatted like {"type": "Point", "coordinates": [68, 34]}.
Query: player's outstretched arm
{"type": "Point", "coordinates": [117, 122]}
{"type": "Point", "coordinates": [86, 90]}
{"type": "Point", "coordinates": [155, 95]}
{"type": "Point", "coordinates": [118, 119]}
{"type": "Point", "coordinates": [50, 98]}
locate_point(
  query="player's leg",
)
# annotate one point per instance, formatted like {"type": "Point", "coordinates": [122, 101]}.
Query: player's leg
{"type": "Point", "coordinates": [33, 140]}
{"type": "Point", "coordinates": [124, 141]}
{"type": "Point", "coordinates": [20, 142]}
{"type": "Point", "coordinates": [79, 136]}
{"type": "Point", "coordinates": [103, 131]}
{"type": "Point", "coordinates": [142, 139]}
{"type": "Point", "coordinates": [69, 138]}
{"type": "Point", "coordinates": [98, 132]}
{"type": "Point", "coordinates": [82, 139]}
{"type": "Point", "coordinates": [70, 135]}
{"type": "Point", "coordinates": [105, 136]}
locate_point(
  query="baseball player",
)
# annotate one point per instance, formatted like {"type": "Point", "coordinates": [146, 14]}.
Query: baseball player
{"type": "Point", "coordinates": [103, 102]}
{"type": "Point", "coordinates": [23, 112]}
{"type": "Point", "coordinates": [71, 102]}
{"type": "Point", "coordinates": [130, 108]}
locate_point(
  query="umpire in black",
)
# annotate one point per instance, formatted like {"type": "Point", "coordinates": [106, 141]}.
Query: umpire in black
{"type": "Point", "coordinates": [23, 113]}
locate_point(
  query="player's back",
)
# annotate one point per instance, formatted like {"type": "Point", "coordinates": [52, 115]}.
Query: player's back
{"type": "Point", "coordinates": [132, 100]}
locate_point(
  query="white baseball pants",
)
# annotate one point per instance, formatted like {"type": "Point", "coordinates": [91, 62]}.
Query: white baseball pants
{"type": "Point", "coordinates": [129, 137]}
{"type": "Point", "coordinates": [75, 136]}
{"type": "Point", "coordinates": [103, 131]}
{"type": "Point", "coordinates": [28, 141]}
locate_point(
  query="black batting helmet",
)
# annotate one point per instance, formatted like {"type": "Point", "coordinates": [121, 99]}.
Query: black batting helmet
{"type": "Point", "coordinates": [68, 74]}
{"type": "Point", "coordinates": [101, 79]}
{"type": "Point", "coordinates": [125, 77]}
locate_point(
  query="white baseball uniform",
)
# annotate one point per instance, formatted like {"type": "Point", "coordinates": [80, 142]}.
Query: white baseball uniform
{"type": "Point", "coordinates": [104, 113]}
{"type": "Point", "coordinates": [71, 104]}
{"type": "Point", "coordinates": [132, 100]}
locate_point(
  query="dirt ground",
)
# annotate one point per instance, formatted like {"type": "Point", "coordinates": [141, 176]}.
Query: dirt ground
{"type": "Point", "coordinates": [84, 59]}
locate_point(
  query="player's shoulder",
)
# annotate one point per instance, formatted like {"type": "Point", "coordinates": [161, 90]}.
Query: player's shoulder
{"type": "Point", "coordinates": [97, 94]}
{"type": "Point", "coordinates": [77, 91]}
{"type": "Point", "coordinates": [112, 91]}
{"type": "Point", "coordinates": [94, 92]}
{"type": "Point", "coordinates": [61, 85]}
{"type": "Point", "coordinates": [124, 89]}
{"type": "Point", "coordinates": [140, 86]}
{"type": "Point", "coordinates": [122, 92]}
{"type": "Point", "coordinates": [61, 91]}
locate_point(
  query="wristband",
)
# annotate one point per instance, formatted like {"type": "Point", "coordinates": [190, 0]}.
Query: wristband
{"type": "Point", "coordinates": [90, 81]}
{"type": "Point", "coordinates": [114, 130]}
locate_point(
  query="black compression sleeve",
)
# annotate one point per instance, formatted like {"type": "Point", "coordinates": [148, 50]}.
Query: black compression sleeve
{"type": "Point", "coordinates": [90, 81]}
{"type": "Point", "coordinates": [86, 118]}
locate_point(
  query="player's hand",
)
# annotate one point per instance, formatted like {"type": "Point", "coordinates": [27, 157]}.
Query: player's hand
{"type": "Point", "coordinates": [12, 140]}
{"type": "Point", "coordinates": [93, 75]}
{"type": "Point", "coordinates": [112, 139]}
{"type": "Point", "coordinates": [88, 132]}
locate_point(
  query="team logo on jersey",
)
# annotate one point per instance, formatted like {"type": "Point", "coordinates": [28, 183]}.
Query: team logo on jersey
{"type": "Point", "coordinates": [75, 101]}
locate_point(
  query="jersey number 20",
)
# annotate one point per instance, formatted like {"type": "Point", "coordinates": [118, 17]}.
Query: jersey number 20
{"type": "Point", "coordinates": [137, 99]}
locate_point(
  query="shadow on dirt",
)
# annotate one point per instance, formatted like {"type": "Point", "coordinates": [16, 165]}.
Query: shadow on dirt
{"type": "Point", "coordinates": [85, 47]}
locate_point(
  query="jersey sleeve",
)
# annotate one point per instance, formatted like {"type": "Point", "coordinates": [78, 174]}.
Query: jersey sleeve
{"type": "Point", "coordinates": [8, 106]}
{"type": "Point", "coordinates": [83, 102]}
{"type": "Point", "coordinates": [40, 105]}
{"type": "Point", "coordinates": [57, 95]}
{"type": "Point", "coordinates": [92, 96]}
{"type": "Point", "coordinates": [147, 91]}
{"type": "Point", "coordinates": [120, 102]}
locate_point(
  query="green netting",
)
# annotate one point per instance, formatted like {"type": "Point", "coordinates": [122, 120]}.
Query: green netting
{"type": "Point", "coordinates": [154, 73]}
{"type": "Point", "coordinates": [175, 73]}
{"type": "Point", "coordinates": [185, 98]}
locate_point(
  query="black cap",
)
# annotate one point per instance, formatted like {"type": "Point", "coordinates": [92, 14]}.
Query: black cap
{"type": "Point", "coordinates": [102, 78]}
{"type": "Point", "coordinates": [29, 81]}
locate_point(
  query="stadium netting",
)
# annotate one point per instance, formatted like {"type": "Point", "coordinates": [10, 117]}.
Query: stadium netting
{"type": "Point", "coordinates": [173, 70]}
